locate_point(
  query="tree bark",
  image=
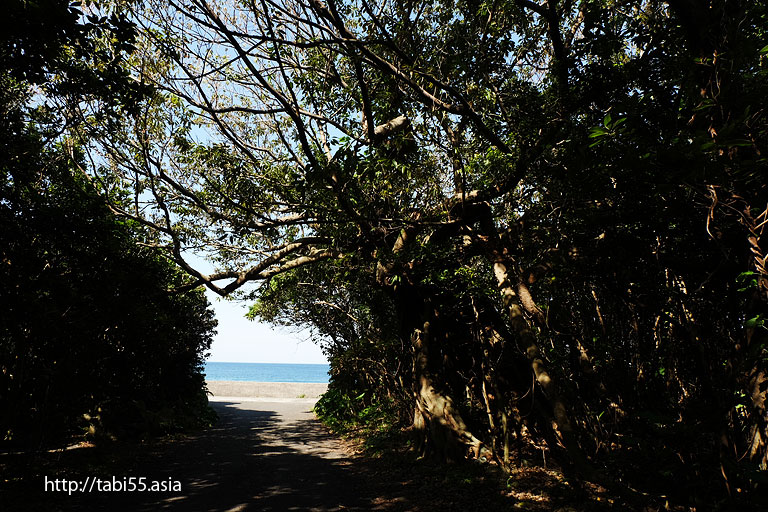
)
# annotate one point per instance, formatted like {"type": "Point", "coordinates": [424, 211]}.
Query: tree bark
{"type": "Point", "coordinates": [528, 343]}
{"type": "Point", "coordinates": [440, 430]}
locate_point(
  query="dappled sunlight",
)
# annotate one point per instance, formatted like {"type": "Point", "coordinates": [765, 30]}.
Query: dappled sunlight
{"type": "Point", "coordinates": [270, 455]}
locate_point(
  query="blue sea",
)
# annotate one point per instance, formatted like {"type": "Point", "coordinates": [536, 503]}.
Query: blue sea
{"type": "Point", "coordinates": [267, 372]}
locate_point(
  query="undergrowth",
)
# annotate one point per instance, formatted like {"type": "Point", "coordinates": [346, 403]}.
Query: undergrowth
{"type": "Point", "coordinates": [368, 418]}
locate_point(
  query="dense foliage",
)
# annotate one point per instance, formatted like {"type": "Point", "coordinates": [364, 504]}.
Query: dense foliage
{"type": "Point", "coordinates": [515, 221]}
{"type": "Point", "coordinates": [92, 341]}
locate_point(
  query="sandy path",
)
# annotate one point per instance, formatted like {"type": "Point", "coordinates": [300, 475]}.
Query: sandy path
{"type": "Point", "coordinates": [224, 389]}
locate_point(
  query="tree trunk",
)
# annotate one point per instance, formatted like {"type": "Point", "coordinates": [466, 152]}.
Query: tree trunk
{"type": "Point", "coordinates": [437, 423]}
{"type": "Point", "coordinates": [527, 342]}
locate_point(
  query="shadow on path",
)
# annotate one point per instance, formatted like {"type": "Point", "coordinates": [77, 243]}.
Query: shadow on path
{"type": "Point", "coordinates": [270, 456]}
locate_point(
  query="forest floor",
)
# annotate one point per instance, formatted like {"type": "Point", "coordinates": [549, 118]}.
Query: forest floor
{"type": "Point", "coordinates": [273, 455]}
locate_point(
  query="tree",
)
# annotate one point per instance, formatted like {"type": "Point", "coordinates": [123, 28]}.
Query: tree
{"type": "Point", "coordinates": [565, 193]}
{"type": "Point", "coordinates": [91, 339]}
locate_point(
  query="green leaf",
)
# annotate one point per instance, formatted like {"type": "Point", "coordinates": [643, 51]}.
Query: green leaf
{"type": "Point", "coordinates": [747, 280]}
{"type": "Point", "coordinates": [756, 321]}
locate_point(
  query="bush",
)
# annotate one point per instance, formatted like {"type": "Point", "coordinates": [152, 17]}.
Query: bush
{"type": "Point", "coordinates": [90, 336]}
{"type": "Point", "coordinates": [363, 415]}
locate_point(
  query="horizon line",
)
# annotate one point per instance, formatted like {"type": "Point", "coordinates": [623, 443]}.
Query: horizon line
{"type": "Point", "coordinates": [262, 362]}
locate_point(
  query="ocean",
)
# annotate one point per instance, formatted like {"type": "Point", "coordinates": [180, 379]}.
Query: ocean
{"type": "Point", "coordinates": [267, 372]}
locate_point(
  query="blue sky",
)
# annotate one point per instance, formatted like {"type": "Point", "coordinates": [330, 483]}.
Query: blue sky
{"type": "Point", "coordinates": [240, 340]}
{"type": "Point", "coordinates": [243, 341]}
